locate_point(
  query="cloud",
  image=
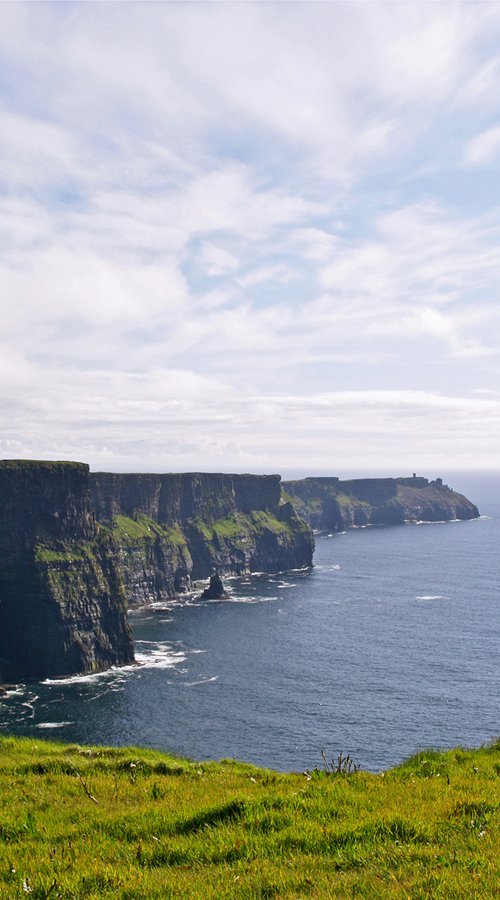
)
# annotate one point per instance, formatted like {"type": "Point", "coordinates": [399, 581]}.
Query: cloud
{"type": "Point", "coordinates": [177, 422]}
{"type": "Point", "coordinates": [484, 149]}
{"type": "Point", "coordinates": [415, 276]}
{"type": "Point", "coordinates": [217, 260]}
{"type": "Point", "coordinates": [230, 231]}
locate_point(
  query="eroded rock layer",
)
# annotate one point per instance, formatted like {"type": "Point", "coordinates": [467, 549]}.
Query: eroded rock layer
{"type": "Point", "coordinates": [62, 603]}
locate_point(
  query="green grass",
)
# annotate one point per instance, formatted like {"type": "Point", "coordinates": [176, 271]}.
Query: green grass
{"type": "Point", "coordinates": [241, 527]}
{"type": "Point", "coordinates": [50, 554]}
{"type": "Point", "coordinates": [127, 530]}
{"type": "Point", "coordinates": [32, 464]}
{"type": "Point", "coordinates": [80, 822]}
{"type": "Point", "coordinates": [266, 521]}
{"type": "Point", "coordinates": [232, 527]}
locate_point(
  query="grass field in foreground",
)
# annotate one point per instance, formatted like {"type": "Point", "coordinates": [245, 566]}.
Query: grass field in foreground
{"type": "Point", "coordinates": [82, 822]}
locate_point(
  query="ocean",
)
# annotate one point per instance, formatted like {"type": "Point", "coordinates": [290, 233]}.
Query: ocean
{"type": "Point", "coordinates": [388, 645]}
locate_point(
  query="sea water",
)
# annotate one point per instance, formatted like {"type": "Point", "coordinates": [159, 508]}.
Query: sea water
{"type": "Point", "coordinates": [389, 644]}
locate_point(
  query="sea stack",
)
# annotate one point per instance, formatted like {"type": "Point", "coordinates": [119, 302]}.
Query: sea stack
{"type": "Point", "coordinates": [215, 590]}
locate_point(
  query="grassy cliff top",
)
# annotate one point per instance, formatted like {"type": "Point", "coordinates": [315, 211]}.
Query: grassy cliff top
{"type": "Point", "coordinates": [83, 822]}
{"type": "Point", "coordinates": [52, 465]}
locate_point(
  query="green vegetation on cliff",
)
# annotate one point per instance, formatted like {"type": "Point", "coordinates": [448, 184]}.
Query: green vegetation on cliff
{"type": "Point", "coordinates": [240, 526]}
{"type": "Point", "coordinates": [26, 465]}
{"type": "Point", "coordinates": [126, 530]}
{"type": "Point", "coordinates": [82, 822]}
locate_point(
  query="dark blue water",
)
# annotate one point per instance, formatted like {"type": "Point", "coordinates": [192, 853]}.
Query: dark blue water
{"type": "Point", "coordinates": [388, 645]}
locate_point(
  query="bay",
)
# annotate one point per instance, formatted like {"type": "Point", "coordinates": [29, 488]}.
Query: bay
{"type": "Point", "coordinates": [389, 644]}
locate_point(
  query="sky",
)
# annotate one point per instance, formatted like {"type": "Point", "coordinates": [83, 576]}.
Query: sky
{"type": "Point", "coordinates": [251, 237]}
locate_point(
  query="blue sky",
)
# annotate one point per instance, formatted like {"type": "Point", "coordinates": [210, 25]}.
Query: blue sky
{"type": "Point", "coordinates": [251, 236]}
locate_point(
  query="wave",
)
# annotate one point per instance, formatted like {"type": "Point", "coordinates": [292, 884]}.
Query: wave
{"type": "Point", "coordinates": [431, 597]}
{"type": "Point", "coordinates": [31, 706]}
{"type": "Point", "coordinates": [199, 681]}
{"type": "Point", "coordinates": [159, 655]}
{"type": "Point", "coordinates": [155, 655]}
{"type": "Point", "coordinates": [435, 521]}
{"type": "Point", "coordinates": [54, 724]}
{"type": "Point", "coordinates": [241, 598]}
{"type": "Point", "coordinates": [12, 691]}
{"type": "Point", "coordinates": [93, 677]}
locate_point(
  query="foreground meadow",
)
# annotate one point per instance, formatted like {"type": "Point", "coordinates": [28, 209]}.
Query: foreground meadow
{"type": "Point", "coordinates": [93, 822]}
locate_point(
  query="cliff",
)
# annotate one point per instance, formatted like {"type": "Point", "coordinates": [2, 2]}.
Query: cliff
{"type": "Point", "coordinates": [171, 529]}
{"type": "Point", "coordinates": [62, 605]}
{"type": "Point", "coordinates": [334, 505]}
{"type": "Point", "coordinates": [77, 548]}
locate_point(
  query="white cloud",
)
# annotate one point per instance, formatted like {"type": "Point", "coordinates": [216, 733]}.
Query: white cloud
{"type": "Point", "coordinates": [484, 149]}
{"type": "Point", "coordinates": [279, 273]}
{"type": "Point", "coordinates": [217, 260]}
{"type": "Point", "coordinates": [297, 153]}
{"type": "Point", "coordinates": [414, 276]}
{"type": "Point", "coordinates": [178, 422]}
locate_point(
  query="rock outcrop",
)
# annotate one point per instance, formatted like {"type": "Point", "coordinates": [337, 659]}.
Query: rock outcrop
{"type": "Point", "coordinates": [215, 589]}
{"type": "Point", "coordinates": [62, 604]}
{"type": "Point", "coordinates": [334, 505]}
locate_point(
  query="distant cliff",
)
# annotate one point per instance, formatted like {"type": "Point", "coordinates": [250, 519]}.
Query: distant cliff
{"type": "Point", "coordinates": [62, 604]}
{"type": "Point", "coordinates": [334, 505]}
{"type": "Point", "coordinates": [169, 530]}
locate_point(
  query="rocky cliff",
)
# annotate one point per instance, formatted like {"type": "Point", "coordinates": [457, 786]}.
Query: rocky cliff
{"type": "Point", "coordinates": [77, 548]}
{"type": "Point", "coordinates": [334, 505]}
{"type": "Point", "coordinates": [62, 603]}
{"type": "Point", "coordinates": [171, 529]}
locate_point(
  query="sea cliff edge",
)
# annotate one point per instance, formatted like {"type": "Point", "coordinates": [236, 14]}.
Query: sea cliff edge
{"type": "Point", "coordinates": [77, 549]}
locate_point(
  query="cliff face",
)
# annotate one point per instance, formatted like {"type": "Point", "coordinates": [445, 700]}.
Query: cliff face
{"type": "Point", "coordinates": [62, 605]}
{"type": "Point", "coordinates": [76, 549]}
{"type": "Point", "coordinates": [170, 529]}
{"type": "Point", "coordinates": [334, 505]}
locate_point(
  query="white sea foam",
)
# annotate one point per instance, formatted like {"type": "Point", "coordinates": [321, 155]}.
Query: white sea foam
{"type": "Point", "coordinates": [15, 690]}
{"type": "Point", "coordinates": [431, 522]}
{"type": "Point", "coordinates": [240, 598]}
{"type": "Point", "coordinates": [154, 655]}
{"type": "Point", "coordinates": [53, 724]}
{"type": "Point", "coordinates": [200, 681]}
{"type": "Point", "coordinates": [31, 706]}
{"type": "Point", "coordinates": [431, 597]}
{"type": "Point", "coordinates": [159, 655]}
{"type": "Point", "coordinates": [93, 677]}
